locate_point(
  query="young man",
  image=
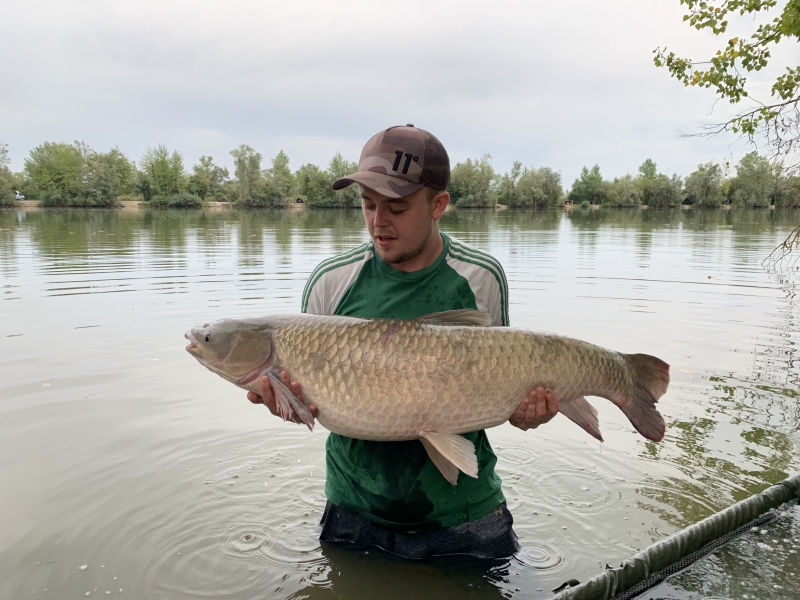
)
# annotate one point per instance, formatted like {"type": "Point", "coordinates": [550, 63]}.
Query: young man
{"type": "Point", "coordinates": [389, 494]}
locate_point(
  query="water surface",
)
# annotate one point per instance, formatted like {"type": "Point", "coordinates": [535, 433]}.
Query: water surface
{"type": "Point", "coordinates": [129, 471]}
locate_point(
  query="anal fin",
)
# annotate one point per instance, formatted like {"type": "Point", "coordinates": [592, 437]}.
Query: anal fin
{"type": "Point", "coordinates": [448, 470]}
{"type": "Point", "coordinates": [453, 453]}
{"type": "Point", "coordinates": [584, 414]}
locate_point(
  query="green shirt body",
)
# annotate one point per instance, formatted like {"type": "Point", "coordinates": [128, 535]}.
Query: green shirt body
{"type": "Point", "coordinates": [394, 484]}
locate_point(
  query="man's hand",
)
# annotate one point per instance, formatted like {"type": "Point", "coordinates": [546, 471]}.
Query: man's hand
{"type": "Point", "coordinates": [267, 397]}
{"type": "Point", "coordinates": [538, 407]}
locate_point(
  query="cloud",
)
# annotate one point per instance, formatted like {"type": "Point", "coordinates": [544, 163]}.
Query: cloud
{"type": "Point", "coordinates": [561, 84]}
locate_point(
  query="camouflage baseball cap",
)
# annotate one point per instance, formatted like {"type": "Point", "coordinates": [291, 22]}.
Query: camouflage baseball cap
{"type": "Point", "coordinates": [399, 161]}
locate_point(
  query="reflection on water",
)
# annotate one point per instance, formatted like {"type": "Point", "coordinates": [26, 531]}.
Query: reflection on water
{"type": "Point", "coordinates": [121, 456]}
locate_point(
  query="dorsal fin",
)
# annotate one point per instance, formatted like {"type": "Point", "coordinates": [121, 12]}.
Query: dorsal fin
{"type": "Point", "coordinates": [465, 318]}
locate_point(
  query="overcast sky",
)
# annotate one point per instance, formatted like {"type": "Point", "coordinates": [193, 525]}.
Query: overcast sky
{"type": "Point", "coordinates": [562, 84]}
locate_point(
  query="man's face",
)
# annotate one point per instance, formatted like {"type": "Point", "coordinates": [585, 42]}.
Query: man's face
{"type": "Point", "coordinates": [400, 228]}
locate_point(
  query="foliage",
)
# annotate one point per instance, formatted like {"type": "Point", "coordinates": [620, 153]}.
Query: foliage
{"type": "Point", "coordinates": [266, 194]}
{"type": "Point", "coordinates": [280, 175]}
{"type": "Point", "coordinates": [648, 170]}
{"type": "Point", "coordinates": [160, 173]}
{"type": "Point", "coordinates": [76, 175]}
{"type": "Point", "coordinates": [589, 187]}
{"type": "Point", "coordinates": [208, 178]}
{"type": "Point", "coordinates": [6, 181]}
{"type": "Point", "coordinates": [247, 170]}
{"type": "Point", "coordinates": [703, 186]}
{"type": "Point", "coordinates": [787, 192]}
{"type": "Point", "coordinates": [663, 191]}
{"type": "Point", "coordinates": [623, 192]}
{"type": "Point", "coordinates": [7, 195]}
{"type": "Point", "coordinates": [340, 167]}
{"type": "Point", "coordinates": [777, 121]}
{"type": "Point", "coordinates": [530, 188]}
{"type": "Point", "coordinates": [472, 183]}
{"type": "Point", "coordinates": [181, 200]}
{"type": "Point", "coordinates": [657, 189]}
{"type": "Point", "coordinates": [755, 182]}
{"type": "Point", "coordinates": [314, 185]}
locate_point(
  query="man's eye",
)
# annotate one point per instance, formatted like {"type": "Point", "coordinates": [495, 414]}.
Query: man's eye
{"type": "Point", "coordinates": [396, 212]}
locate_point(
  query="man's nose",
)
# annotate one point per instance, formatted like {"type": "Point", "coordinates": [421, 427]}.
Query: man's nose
{"type": "Point", "coordinates": [381, 216]}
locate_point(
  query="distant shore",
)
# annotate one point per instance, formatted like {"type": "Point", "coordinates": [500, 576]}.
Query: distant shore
{"type": "Point", "coordinates": [136, 205]}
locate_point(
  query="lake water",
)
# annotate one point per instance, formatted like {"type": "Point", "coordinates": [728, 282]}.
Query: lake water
{"type": "Point", "coordinates": [129, 471]}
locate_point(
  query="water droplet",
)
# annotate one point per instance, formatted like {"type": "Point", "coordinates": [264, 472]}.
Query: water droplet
{"type": "Point", "coordinates": [83, 567]}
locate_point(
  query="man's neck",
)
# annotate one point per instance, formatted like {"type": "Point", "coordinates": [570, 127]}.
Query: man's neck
{"type": "Point", "coordinates": [425, 258]}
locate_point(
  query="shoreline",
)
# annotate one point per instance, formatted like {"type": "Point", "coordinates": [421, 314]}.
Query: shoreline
{"type": "Point", "coordinates": [137, 205]}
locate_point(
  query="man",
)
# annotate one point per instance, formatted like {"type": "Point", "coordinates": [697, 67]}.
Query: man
{"type": "Point", "coordinates": [389, 494]}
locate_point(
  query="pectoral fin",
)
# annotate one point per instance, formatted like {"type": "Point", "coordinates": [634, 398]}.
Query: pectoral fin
{"type": "Point", "coordinates": [288, 404]}
{"type": "Point", "coordinates": [584, 414]}
{"type": "Point", "coordinates": [450, 453]}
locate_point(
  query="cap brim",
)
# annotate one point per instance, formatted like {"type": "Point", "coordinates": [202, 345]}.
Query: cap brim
{"type": "Point", "coordinates": [389, 186]}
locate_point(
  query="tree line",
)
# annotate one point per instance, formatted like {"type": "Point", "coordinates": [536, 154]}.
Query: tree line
{"type": "Point", "coordinates": [61, 174]}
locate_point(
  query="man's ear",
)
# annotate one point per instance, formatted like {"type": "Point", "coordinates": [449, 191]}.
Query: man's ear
{"type": "Point", "coordinates": [439, 204]}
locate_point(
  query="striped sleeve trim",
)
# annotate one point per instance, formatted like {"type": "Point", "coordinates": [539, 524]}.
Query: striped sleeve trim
{"type": "Point", "coordinates": [483, 259]}
{"type": "Point", "coordinates": [356, 254]}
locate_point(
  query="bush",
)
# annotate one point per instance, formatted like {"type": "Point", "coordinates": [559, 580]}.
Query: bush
{"type": "Point", "coordinates": [177, 201]}
{"type": "Point", "coordinates": [6, 193]}
{"type": "Point", "coordinates": [130, 198]}
{"type": "Point", "coordinates": [265, 194]}
{"type": "Point", "coordinates": [55, 198]}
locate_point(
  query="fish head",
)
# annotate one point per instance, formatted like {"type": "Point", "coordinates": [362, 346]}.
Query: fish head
{"type": "Point", "coordinates": [235, 349]}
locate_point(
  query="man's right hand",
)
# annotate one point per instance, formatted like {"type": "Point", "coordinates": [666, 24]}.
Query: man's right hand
{"type": "Point", "coordinates": [267, 397]}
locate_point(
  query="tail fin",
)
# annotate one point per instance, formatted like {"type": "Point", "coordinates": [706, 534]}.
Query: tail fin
{"type": "Point", "coordinates": [651, 378]}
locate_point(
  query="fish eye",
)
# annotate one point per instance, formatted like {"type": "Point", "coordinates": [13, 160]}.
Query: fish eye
{"type": "Point", "coordinates": [207, 337]}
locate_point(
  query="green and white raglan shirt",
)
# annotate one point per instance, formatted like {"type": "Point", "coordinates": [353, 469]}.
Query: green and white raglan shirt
{"type": "Point", "coordinates": [394, 484]}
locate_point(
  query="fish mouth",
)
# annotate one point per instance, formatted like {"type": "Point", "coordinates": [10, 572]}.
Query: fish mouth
{"type": "Point", "coordinates": [191, 347]}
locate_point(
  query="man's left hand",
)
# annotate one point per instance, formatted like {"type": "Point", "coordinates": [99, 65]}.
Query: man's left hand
{"type": "Point", "coordinates": [538, 407]}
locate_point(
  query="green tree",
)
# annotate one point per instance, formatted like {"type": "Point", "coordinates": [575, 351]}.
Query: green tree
{"type": "Point", "coordinates": [648, 170]}
{"type": "Point", "coordinates": [663, 191]}
{"type": "Point", "coordinates": [208, 177]}
{"type": "Point", "coordinates": [247, 170]}
{"type": "Point", "coordinates": [58, 172]}
{"type": "Point", "coordinates": [339, 167]}
{"type": "Point", "coordinates": [623, 192]}
{"type": "Point", "coordinates": [787, 190]}
{"type": "Point", "coordinates": [530, 188]}
{"type": "Point", "coordinates": [755, 182]}
{"type": "Point", "coordinates": [776, 120]}
{"type": "Point", "coordinates": [280, 175]}
{"type": "Point", "coordinates": [472, 183]}
{"type": "Point", "coordinates": [704, 186]}
{"type": "Point", "coordinates": [76, 175]}
{"type": "Point", "coordinates": [589, 187]}
{"type": "Point", "coordinates": [315, 185]}
{"type": "Point", "coordinates": [7, 194]}
{"type": "Point", "coordinates": [107, 175]}
{"type": "Point", "coordinates": [658, 190]}
{"type": "Point", "coordinates": [161, 173]}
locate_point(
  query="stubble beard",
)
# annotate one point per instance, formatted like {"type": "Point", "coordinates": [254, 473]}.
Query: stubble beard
{"type": "Point", "coordinates": [403, 256]}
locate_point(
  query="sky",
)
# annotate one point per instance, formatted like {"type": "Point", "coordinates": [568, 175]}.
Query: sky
{"type": "Point", "coordinates": [561, 84]}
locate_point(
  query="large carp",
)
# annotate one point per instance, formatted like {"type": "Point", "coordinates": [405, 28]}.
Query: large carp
{"type": "Point", "coordinates": [430, 378]}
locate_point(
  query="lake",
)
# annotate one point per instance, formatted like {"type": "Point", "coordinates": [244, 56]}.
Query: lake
{"type": "Point", "coordinates": [129, 471]}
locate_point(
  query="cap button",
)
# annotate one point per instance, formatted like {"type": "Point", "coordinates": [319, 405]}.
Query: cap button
{"type": "Point", "coordinates": [409, 124]}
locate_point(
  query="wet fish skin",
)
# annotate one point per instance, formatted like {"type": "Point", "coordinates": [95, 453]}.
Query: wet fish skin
{"type": "Point", "coordinates": [391, 380]}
